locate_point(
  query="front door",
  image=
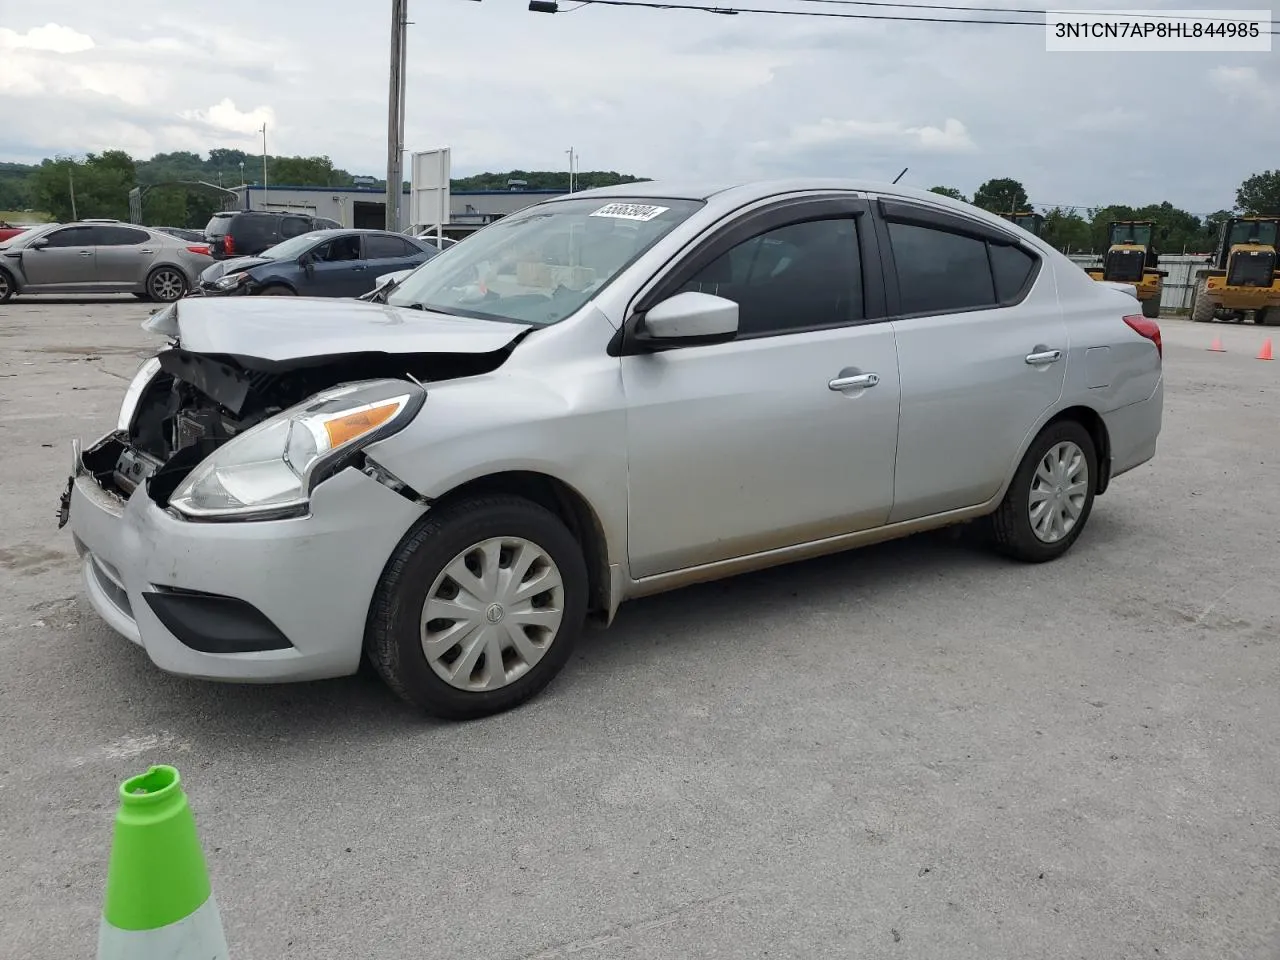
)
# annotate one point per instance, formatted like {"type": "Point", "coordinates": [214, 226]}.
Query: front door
{"type": "Point", "coordinates": [337, 269]}
{"type": "Point", "coordinates": [982, 350]}
{"type": "Point", "coordinates": [65, 262]}
{"type": "Point", "coordinates": [783, 436]}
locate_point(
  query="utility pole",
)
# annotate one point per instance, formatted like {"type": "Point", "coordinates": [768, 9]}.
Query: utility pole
{"type": "Point", "coordinates": [395, 115]}
{"type": "Point", "coordinates": [264, 165]}
{"type": "Point", "coordinates": [571, 171]}
{"type": "Point", "coordinates": [71, 183]}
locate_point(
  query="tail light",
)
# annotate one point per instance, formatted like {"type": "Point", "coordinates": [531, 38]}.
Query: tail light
{"type": "Point", "coordinates": [228, 245]}
{"type": "Point", "coordinates": [200, 249]}
{"type": "Point", "coordinates": [1147, 328]}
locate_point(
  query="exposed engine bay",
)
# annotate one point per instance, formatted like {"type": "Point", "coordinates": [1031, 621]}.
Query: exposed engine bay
{"type": "Point", "coordinates": [198, 402]}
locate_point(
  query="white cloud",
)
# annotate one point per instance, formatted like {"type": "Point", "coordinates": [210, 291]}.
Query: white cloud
{"type": "Point", "coordinates": [51, 37]}
{"type": "Point", "coordinates": [951, 137]}
{"type": "Point", "coordinates": [226, 116]}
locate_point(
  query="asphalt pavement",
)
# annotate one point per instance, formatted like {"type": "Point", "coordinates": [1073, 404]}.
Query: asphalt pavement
{"type": "Point", "coordinates": [916, 750]}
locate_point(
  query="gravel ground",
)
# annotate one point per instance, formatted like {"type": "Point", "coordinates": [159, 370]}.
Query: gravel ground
{"type": "Point", "coordinates": [913, 751]}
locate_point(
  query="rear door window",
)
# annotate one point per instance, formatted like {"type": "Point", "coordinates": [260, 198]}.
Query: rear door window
{"type": "Point", "coordinates": [381, 247]}
{"type": "Point", "coordinates": [294, 226]}
{"type": "Point", "coordinates": [119, 236]}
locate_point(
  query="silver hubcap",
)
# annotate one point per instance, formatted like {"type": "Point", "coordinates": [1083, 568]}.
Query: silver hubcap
{"type": "Point", "coordinates": [492, 613]}
{"type": "Point", "coordinates": [166, 285]}
{"type": "Point", "coordinates": [1058, 491]}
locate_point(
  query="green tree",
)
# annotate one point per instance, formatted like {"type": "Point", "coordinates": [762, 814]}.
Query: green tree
{"type": "Point", "coordinates": [1001, 195]}
{"type": "Point", "coordinates": [1259, 195]}
{"type": "Point", "coordinates": [1066, 230]}
{"type": "Point", "coordinates": [101, 183]}
{"type": "Point", "coordinates": [165, 207]}
{"type": "Point", "coordinates": [951, 192]}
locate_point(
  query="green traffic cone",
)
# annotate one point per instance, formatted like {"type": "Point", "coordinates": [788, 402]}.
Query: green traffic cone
{"type": "Point", "coordinates": [159, 905]}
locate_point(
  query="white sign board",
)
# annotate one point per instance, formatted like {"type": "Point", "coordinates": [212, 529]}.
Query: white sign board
{"type": "Point", "coordinates": [429, 189]}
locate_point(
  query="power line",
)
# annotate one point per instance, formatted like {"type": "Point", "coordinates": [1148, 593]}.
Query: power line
{"type": "Point", "coordinates": [550, 6]}
{"type": "Point", "coordinates": [1031, 11]}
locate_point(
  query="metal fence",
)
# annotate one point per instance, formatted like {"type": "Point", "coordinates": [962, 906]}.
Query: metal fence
{"type": "Point", "coordinates": [1178, 286]}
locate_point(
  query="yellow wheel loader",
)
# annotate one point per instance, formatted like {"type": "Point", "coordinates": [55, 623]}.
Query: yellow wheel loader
{"type": "Point", "coordinates": [1243, 279]}
{"type": "Point", "coordinates": [1131, 258]}
{"type": "Point", "coordinates": [1031, 222]}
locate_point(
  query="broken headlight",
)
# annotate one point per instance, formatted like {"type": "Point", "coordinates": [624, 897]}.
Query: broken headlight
{"type": "Point", "coordinates": [270, 470]}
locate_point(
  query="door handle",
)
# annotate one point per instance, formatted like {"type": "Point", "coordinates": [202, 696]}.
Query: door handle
{"type": "Point", "coordinates": [146, 250]}
{"type": "Point", "coordinates": [851, 383]}
{"type": "Point", "coordinates": [86, 253]}
{"type": "Point", "coordinates": [1048, 356]}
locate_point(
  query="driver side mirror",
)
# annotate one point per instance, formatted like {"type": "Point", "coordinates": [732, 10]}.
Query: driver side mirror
{"type": "Point", "coordinates": [39, 243]}
{"type": "Point", "coordinates": [687, 319]}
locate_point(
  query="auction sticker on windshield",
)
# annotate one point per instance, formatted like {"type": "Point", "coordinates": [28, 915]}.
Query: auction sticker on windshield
{"type": "Point", "coordinates": [630, 211]}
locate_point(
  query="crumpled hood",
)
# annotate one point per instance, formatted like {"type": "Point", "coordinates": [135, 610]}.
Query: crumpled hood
{"type": "Point", "coordinates": [220, 268]}
{"type": "Point", "coordinates": [295, 328]}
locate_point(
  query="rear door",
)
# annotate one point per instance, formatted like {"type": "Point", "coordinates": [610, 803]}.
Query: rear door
{"type": "Point", "coordinates": [387, 253]}
{"type": "Point", "coordinates": [66, 261]}
{"type": "Point", "coordinates": [123, 256]}
{"type": "Point", "coordinates": [982, 352]}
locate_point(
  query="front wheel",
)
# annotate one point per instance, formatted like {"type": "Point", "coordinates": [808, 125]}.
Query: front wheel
{"type": "Point", "coordinates": [7, 286]}
{"type": "Point", "coordinates": [479, 608]}
{"type": "Point", "coordinates": [1201, 306]}
{"type": "Point", "coordinates": [1266, 317]}
{"type": "Point", "coordinates": [1049, 501]}
{"type": "Point", "coordinates": [166, 284]}
{"type": "Point", "coordinates": [276, 290]}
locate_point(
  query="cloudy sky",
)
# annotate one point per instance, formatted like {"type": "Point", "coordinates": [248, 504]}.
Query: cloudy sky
{"type": "Point", "coordinates": [654, 93]}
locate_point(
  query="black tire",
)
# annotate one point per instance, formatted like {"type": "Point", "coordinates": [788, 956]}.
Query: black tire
{"type": "Point", "coordinates": [1151, 307]}
{"type": "Point", "coordinates": [8, 286]}
{"type": "Point", "coordinates": [1011, 531]}
{"type": "Point", "coordinates": [276, 290]}
{"type": "Point", "coordinates": [1201, 306]}
{"type": "Point", "coordinates": [393, 641]}
{"type": "Point", "coordinates": [143, 296]}
{"type": "Point", "coordinates": [166, 284]}
{"type": "Point", "coordinates": [1266, 317]}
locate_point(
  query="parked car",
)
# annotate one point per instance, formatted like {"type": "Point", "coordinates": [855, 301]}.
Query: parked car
{"type": "Point", "coordinates": [10, 230]}
{"type": "Point", "coordinates": [324, 263]}
{"type": "Point", "coordinates": [100, 256]}
{"type": "Point", "coordinates": [602, 396]}
{"type": "Point", "coordinates": [246, 233]}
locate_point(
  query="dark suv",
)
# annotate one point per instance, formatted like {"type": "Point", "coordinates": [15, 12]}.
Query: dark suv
{"type": "Point", "coordinates": [246, 233]}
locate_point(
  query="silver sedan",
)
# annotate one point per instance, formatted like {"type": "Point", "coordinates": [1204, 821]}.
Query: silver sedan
{"type": "Point", "coordinates": [100, 256]}
{"type": "Point", "coordinates": [603, 396]}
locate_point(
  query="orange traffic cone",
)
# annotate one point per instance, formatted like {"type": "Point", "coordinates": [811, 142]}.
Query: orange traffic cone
{"type": "Point", "coordinates": [1216, 346]}
{"type": "Point", "coordinates": [1265, 352]}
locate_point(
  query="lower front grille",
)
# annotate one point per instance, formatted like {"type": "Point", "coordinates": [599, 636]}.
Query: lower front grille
{"type": "Point", "coordinates": [109, 582]}
{"type": "Point", "coordinates": [1251, 268]}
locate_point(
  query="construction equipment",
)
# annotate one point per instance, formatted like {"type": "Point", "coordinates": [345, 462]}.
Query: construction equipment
{"type": "Point", "coordinates": [1027, 220]}
{"type": "Point", "coordinates": [1243, 278]}
{"type": "Point", "coordinates": [1131, 258]}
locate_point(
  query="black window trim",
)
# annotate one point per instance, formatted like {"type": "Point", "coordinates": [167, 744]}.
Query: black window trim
{"type": "Point", "coordinates": [725, 236]}
{"type": "Point", "coordinates": [915, 214]}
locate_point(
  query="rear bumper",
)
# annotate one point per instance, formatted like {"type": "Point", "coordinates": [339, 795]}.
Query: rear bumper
{"type": "Point", "coordinates": [296, 590]}
{"type": "Point", "coordinates": [1134, 431]}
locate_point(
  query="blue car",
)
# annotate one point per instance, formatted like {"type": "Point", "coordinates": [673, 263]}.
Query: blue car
{"type": "Point", "coordinates": [323, 263]}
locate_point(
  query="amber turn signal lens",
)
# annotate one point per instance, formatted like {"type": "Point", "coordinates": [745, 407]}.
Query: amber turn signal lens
{"type": "Point", "coordinates": [352, 425]}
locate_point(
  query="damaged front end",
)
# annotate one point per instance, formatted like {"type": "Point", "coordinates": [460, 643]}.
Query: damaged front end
{"type": "Point", "coordinates": [221, 438]}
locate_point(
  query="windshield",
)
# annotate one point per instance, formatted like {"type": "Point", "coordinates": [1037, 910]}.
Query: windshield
{"type": "Point", "coordinates": [542, 264]}
{"type": "Point", "coordinates": [293, 247]}
{"type": "Point", "coordinates": [26, 236]}
{"type": "Point", "coordinates": [1253, 231]}
{"type": "Point", "coordinates": [1138, 234]}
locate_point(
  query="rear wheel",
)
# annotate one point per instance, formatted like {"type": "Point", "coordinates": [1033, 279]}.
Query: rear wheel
{"type": "Point", "coordinates": [166, 284]}
{"type": "Point", "coordinates": [1151, 307]}
{"type": "Point", "coordinates": [1049, 501]}
{"type": "Point", "coordinates": [479, 608]}
{"type": "Point", "coordinates": [1201, 305]}
{"type": "Point", "coordinates": [1266, 317]}
{"type": "Point", "coordinates": [7, 287]}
